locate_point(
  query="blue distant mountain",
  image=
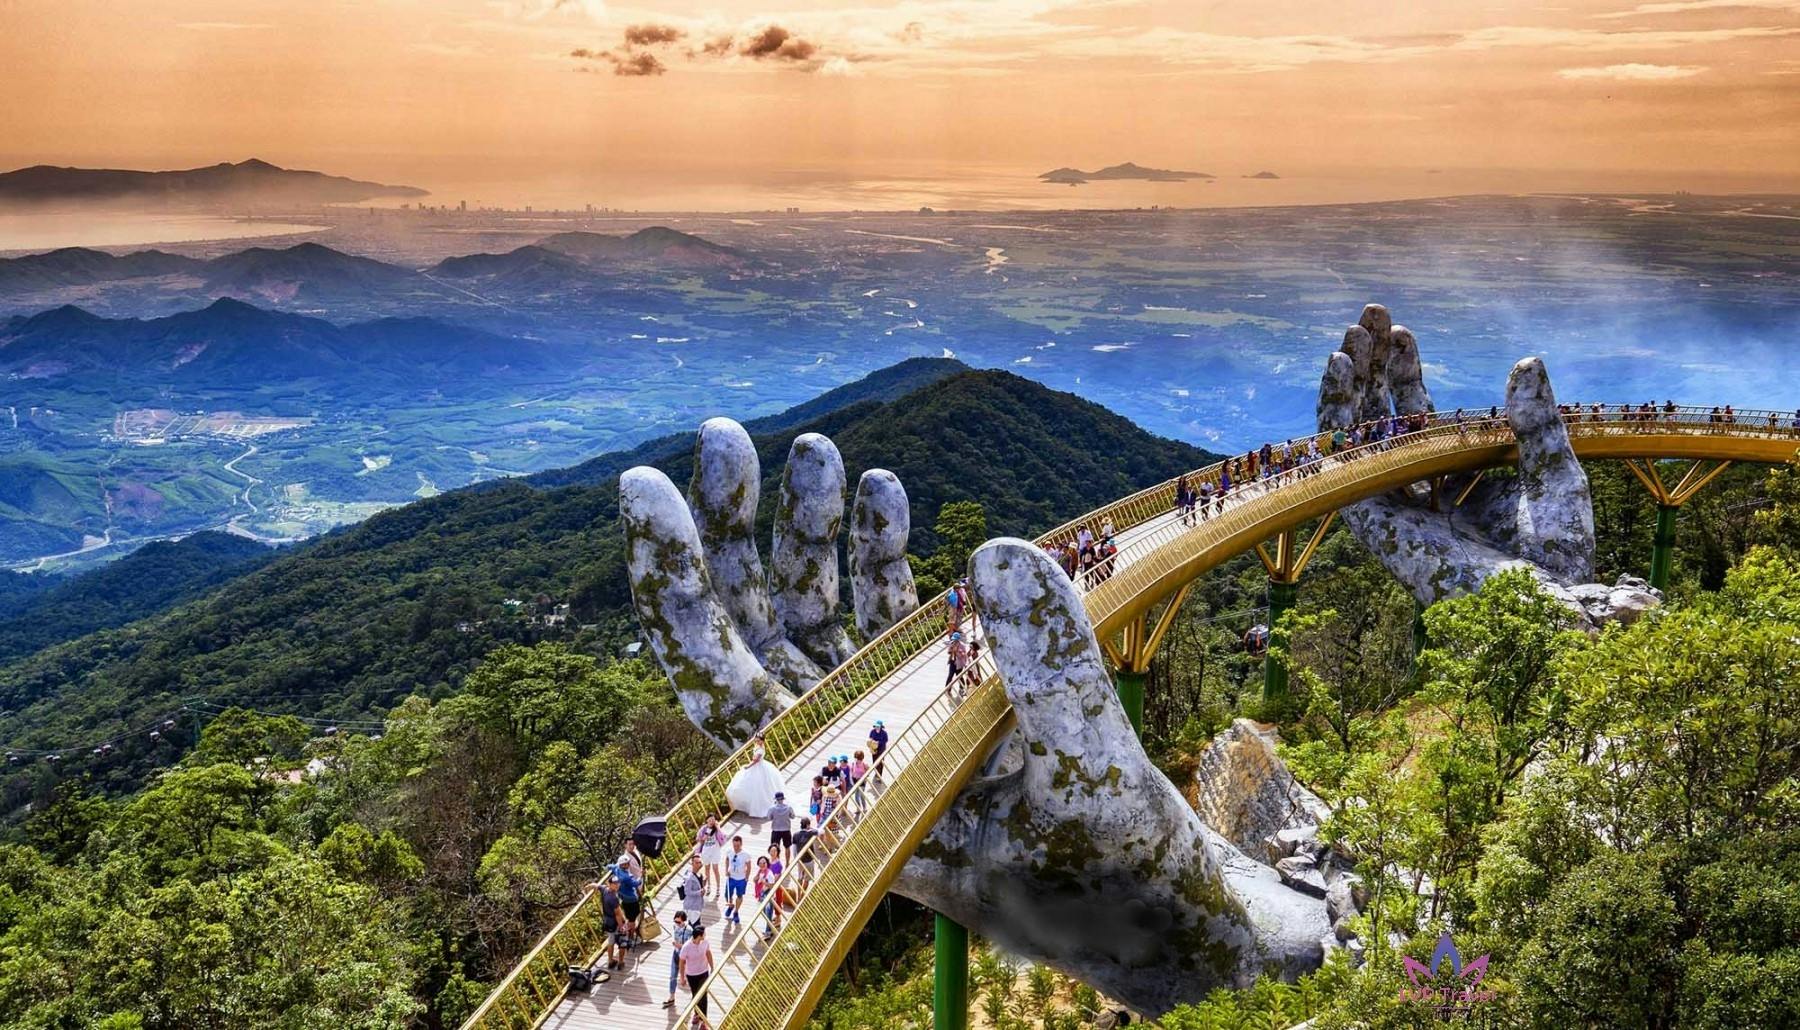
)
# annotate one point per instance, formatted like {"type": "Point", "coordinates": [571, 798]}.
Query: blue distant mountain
{"type": "Point", "coordinates": [230, 344]}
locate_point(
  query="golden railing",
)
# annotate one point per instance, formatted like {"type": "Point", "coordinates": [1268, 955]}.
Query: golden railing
{"type": "Point", "coordinates": [761, 985]}
{"type": "Point", "coordinates": [1448, 442]}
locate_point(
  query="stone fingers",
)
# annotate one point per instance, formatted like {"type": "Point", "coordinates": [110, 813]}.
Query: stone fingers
{"type": "Point", "coordinates": [722, 496]}
{"type": "Point", "coordinates": [803, 572]}
{"type": "Point", "coordinates": [1054, 672]}
{"type": "Point", "coordinates": [716, 676]}
{"type": "Point", "coordinates": [1555, 526]}
{"type": "Point", "coordinates": [1377, 397]}
{"type": "Point", "coordinates": [1406, 374]}
{"type": "Point", "coordinates": [1337, 392]}
{"type": "Point", "coordinates": [881, 581]}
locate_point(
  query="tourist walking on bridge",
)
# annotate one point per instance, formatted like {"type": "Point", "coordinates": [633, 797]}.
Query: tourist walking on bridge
{"type": "Point", "coordinates": [692, 890]}
{"type": "Point", "coordinates": [679, 934]}
{"type": "Point", "coordinates": [711, 848]}
{"type": "Point", "coordinates": [737, 880]}
{"type": "Point", "coordinates": [781, 824]}
{"type": "Point", "coordinates": [697, 965]}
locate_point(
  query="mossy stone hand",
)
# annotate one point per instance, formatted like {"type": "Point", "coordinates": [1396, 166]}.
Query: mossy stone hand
{"type": "Point", "coordinates": [1541, 519]}
{"type": "Point", "coordinates": [739, 644]}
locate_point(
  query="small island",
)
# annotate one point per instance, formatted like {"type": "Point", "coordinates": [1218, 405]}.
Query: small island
{"type": "Point", "coordinates": [1075, 176]}
{"type": "Point", "coordinates": [1263, 175]}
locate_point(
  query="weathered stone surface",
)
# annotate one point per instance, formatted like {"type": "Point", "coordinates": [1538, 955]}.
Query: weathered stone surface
{"type": "Point", "coordinates": [1082, 855]}
{"type": "Point", "coordinates": [722, 497]}
{"type": "Point", "coordinates": [1344, 898]}
{"type": "Point", "coordinates": [723, 689]}
{"type": "Point", "coordinates": [1303, 874]}
{"type": "Point", "coordinates": [1541, 519]}
{"type": "Point", "coordinates": [803, 561]}
{"type": "Point", "coordinates": [1244, 791]}
{"type": "Point", "coordinates": [881, 580]}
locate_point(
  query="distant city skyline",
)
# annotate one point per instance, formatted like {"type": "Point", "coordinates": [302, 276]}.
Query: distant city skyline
{"type": "Point", "coordinates": [577, 101]}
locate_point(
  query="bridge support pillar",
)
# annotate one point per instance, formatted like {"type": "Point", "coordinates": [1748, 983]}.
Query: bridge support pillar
{"type": "Point", "coordinates": [950, 984]}
{"type": "Point", "coordinates": [1669, 500]}
{"type": "Point", "coordinates": [1284, 567]}
{"type": "Point", "coordinates": [1275, 671]}
{"type": "Point", "coordinates": [1130, 684]}
{"type": "Point", "coordinates": [1131, 653]}
{"type": "Point", "coordinates": [1662, 546]}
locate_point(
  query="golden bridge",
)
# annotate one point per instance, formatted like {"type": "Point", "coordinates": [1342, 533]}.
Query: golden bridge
{"type": "Point", "coordinates": [940, 740]}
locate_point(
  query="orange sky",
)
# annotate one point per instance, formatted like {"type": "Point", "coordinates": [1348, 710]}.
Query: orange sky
{"type": "Point", "coordinates": [441, 90]}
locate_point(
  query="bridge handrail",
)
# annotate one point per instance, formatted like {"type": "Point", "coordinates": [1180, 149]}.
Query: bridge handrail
{"type": "Point", "coordinates": [536, 983]}
{"type": "Point", "coordinates": [834, 833]}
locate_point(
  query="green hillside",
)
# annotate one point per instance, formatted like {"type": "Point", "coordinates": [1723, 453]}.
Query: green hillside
{"type": "Point", "coordinates": [411, 599]}
{"type": "Point", "coordinates": [148, 580]}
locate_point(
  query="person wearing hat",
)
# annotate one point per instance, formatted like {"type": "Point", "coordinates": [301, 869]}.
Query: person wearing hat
{"type": "Point", "coordinates": [878, 743]}
{"type": "Point", "coordinates": [781, 825]}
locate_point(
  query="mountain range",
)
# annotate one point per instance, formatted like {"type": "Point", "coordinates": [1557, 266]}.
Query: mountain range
{"type": "Point", "coordinates": [245, 182]}
{"type": "Point", "coordinates": [230, 344]}
{"type": "Point", "coordinates": [579, 253]}
{"type": "Point", "coordinates": [408, 600]}
{"type": "Point", "coordinates": [1075, 176]}
{"type": "Point", "coordinates": [310, 274]}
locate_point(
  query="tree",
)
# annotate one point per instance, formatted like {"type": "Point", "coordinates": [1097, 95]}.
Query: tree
{"type": "Point", "coordinates": [961, 527]}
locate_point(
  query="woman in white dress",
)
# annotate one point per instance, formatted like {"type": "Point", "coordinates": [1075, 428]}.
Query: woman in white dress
{"type": "Point", "coordinates": [752, 790]}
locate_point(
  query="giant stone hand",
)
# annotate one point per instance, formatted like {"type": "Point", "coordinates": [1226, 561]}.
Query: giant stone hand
{"type": "Point", "coordinates": [736, 652]}
{"type": "Point", "coordinates": [1542, 519]}
{"type": "Point", "coordinates": [1074, 849]}
{"type": "Point", "coordinates": [1071, 848]}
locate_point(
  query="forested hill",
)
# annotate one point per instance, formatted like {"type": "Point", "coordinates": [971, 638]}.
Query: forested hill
{"type": "Point", "coordinates": [148, 580]}
{"type": "Point", "coordinates": [410, 599]}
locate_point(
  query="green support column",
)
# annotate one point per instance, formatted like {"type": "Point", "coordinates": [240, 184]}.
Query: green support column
{"type": "Point", "coordinates": [1131, 695]}
{"type": "Point", "coordinates": [1275, 672]}
{"type": "Point", "coordinates": [950, 986]}
{"type": "Point", "coordinates": [1662, 554]}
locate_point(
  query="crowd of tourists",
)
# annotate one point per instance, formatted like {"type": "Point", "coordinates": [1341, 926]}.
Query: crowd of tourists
{"type": "Point", "coordinates": [725, 871]}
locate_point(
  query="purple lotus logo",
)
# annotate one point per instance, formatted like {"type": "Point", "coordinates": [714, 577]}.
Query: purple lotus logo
{"type": "Point", "coordinates": [1446, 983]}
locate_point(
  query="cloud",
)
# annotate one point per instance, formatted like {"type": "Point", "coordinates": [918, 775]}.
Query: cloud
{"type": "Point", "coordinates": [636, 64]}
{"type": "Point", "coordinates": [624, 62]}
{"type": "Point", "coordinates": [777, 43]}
{"type": "Point", "coordinates": [651, 35]}
{"type": "Point", "coordinates": [1684, 6]}
{"type": "Point", "coordinates": [1596, 41]}
{"type": "Point", "coordinates": [840, 66]}
{"type": "Point", "coordinates": [1634, 72]}
{"type": "Point", "coordinates": [719, 46]}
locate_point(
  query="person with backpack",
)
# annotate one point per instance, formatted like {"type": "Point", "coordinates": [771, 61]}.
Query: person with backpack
{"type": "Point", "coordinates": [803, 858]}
{"type": "Point", "coordinates": [692, 890]}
